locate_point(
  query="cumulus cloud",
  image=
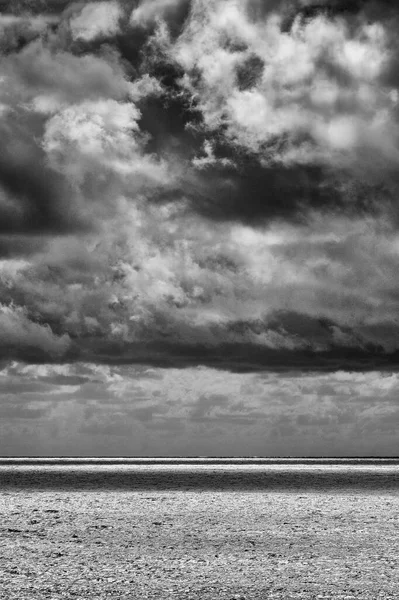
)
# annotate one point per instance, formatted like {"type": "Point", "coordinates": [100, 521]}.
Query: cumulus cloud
{"type": "Point", "coordinates": [94, 136]}
{"type": "Point", "coordinates": [149, 11]}
{"type": "Point", "coordinates": [96, 19]}
{"type": "Point", "coordinates": [306, 95]}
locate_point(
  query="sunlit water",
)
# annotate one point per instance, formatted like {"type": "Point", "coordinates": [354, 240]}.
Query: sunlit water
{"type": "Point", "coordinates": [202, 474]}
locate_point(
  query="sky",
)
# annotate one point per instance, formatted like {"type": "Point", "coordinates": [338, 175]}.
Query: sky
{"type": "Point", "coordinates": [199, 228]}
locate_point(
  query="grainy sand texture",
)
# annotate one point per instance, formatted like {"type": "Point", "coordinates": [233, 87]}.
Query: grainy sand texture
{"type": "Point", "coordinates": [198, 545]}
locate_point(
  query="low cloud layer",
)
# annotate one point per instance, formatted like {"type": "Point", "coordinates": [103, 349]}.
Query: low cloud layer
{"type": "Point", "coordinates": [126, 411]}
{"type": "Point", "coordinates": [200, 183]}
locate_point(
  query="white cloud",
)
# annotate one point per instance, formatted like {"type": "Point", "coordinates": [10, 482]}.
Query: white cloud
{"type": "Point", "coordinates": [97, 128]}
{"type": "Point", "coordinates": [102, 134]}
{"type": "Point", "coordinates": [152, 10]}
{"type": "Point", "coordinates": [145, 86]}
{"type": "Point", "coordinates": [96, 19]}
{"type": "Point", "coordinates": [318, 89]}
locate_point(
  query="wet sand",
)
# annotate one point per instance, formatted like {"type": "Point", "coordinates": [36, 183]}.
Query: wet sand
{"type": "Point", "coordinates": [198, 544]}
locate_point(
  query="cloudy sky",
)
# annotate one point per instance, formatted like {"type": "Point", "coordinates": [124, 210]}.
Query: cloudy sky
{"type": "Point", "coordinates": [199, 227]}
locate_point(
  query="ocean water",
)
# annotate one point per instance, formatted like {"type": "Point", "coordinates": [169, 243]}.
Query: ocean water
{"type": "Point", "coordinates": [363, 475]}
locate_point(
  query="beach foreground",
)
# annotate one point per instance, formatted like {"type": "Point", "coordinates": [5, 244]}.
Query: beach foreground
{"type": "Point", "coordinates": [198, 545]}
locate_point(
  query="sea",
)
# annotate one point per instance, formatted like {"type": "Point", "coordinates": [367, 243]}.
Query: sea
{"type": "Point", "coordinates": [352, 475]}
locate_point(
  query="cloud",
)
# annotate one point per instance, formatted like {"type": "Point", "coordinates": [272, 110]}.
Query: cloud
{"type": "Point", "coordinates": [36, 83]}
{"type": "Point", "coordinates": [148, 11]}
{"type": "Point", "coordinates": [31, 194]}
{"type": "Point", "coordinates": [20, 336]}
{"type": "Point", "coordinates": [39, 72]}
{"type": "Point", "coordinates": [152, 291]}
{"type": "Point", "coordinates": [96, 19]}
{"type": "Point", "coordinates": [45, 92]}
{"type": "Point", "coordinates": [195, 411]}
{"type": "Point", "coordinates": [303, 96]}
{"type": "Point", "coordinates": [99, 136]}
{"type": "Point", "coordinates": [34, 7]}
{"type": "Point", "coordinates": [21, 412]}
{"type": "Point", "coordinates": [205, 406]}
{"type": "Point", "coordinates": [18, 31]}
{"type": "Point", "coordinates": [199, 227]}
{"type": "Point", "coordinates": [204, 183]}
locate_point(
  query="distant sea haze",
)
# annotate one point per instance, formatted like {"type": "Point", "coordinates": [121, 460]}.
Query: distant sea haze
{"type": "Point", "coordinates": [351, 475]}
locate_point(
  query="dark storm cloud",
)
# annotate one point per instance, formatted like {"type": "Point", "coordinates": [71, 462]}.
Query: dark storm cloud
{"type": "Point", "coordinates": [33, 198]}
{"type": "Point", "coordinates": [19, 245]}
{"type": "Point", "coordinates": [255, 194]}
{"type": "Point", "coordinates": [33, 6]}
{"type": "Point", "coordinates": [242, 357]}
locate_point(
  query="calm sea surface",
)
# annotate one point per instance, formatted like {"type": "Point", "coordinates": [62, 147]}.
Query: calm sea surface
{"type": "Point", "coordinates": [213, 474]}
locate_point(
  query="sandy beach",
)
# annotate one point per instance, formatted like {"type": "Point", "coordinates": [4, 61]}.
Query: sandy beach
{"type": "Point", "coordinates": [198, 545]}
